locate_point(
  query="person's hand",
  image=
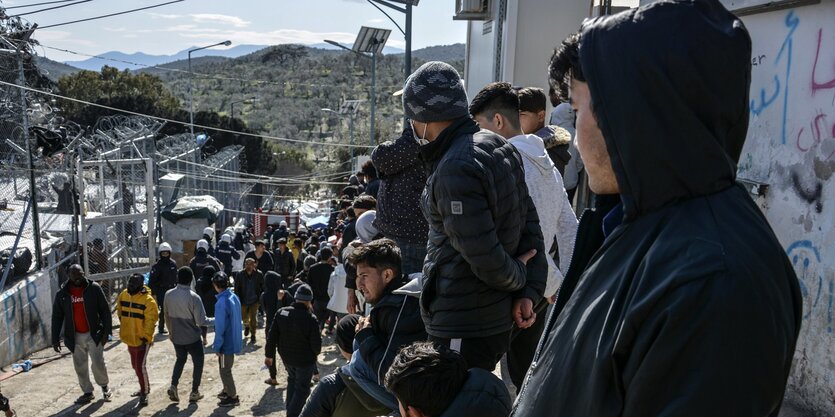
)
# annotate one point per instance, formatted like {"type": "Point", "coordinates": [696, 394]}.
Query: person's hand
{"type": "Point", "coordinates": [353, 302]}
{"type": "Point", "coordinates": [523, 314]}
{"type": "Point", "coordinates": [144, 341]}
{"type": "Point", "coordinates": [363, 323]}
{"type": "Point", "coordinates": [268, 361]}
{"type": "Point", "coordinates": [525, 257]}
{"type": "Point", "coordinates": [552, 299]}
{"type": "Point", "coordinates": [57, 347]}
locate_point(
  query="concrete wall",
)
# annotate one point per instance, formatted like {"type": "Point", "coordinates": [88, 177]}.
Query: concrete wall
{"type": "Point", "coordinates": [791, 147]}
{"type": "Point", "coordinates": [26, 313]}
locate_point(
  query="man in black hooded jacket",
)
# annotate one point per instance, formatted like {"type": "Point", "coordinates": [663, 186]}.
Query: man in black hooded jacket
{"type": "Point", "coordinates": [485, 262]}
{"type": "Point", "coordinates": [689, 306]}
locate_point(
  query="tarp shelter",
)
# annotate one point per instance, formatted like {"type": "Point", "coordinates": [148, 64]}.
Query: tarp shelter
{"type": "Point", "coordinates": [183, 221]}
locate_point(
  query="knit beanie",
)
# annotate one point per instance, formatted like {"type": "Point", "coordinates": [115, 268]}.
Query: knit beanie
{"type": "Point", "coordinates": [435, 93]}
{"type": "Point", "coordinates": [366, 230]}
{"type": "Point", "coordinates": [304, 293]}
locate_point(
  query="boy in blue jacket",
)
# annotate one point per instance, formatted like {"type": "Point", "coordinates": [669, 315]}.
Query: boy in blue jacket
{"type": "Point", "coordinates": [228, 340]}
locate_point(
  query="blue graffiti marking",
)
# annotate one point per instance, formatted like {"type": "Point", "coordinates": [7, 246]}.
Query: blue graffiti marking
{"type": "Point", "coordinates": [786, 49]}
{"type": "Point", "coordinates": [34, 313]}
{"type": "Point", "coordinates": [801, 254]}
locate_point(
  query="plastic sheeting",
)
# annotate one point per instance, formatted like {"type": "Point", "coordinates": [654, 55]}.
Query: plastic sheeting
{"type": "Point", "coordinates": [193, 207]}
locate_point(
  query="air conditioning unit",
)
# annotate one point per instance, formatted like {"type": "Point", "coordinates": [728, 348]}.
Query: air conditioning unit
{"type": "Point", "coordinates": [473, 10]}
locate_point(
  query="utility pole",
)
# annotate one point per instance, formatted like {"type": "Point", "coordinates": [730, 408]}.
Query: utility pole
{"type": "Point", "coordinates": [373, 98]}
{"type": "Point", "coordinates": [21, 81]}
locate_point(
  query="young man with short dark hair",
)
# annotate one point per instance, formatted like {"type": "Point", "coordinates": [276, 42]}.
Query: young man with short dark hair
{"type": "Point", "coordinates": [249, 285]}
{"type": "Point", "coordinates": [187, 322]}
{"type": "Point", "coordinates": [680, 301]}
{"type": "Point", "coordinates": [496, 108]}
{"type": "Point", "coordinates": [228, 341]}
{"type": "Point", "coordinates": [432, 381]}
{"type": "Point", "coordinates": [532, 106]}
{"type": "Point", "coordinates": [138, 314]}
{"type": "Point", "coordinates": [318, 278]}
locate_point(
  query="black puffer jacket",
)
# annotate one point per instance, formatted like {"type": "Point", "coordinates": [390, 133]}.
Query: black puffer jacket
{"type": "Point", "coordinates": [690, 307]}
{"type": "Point", "coordinates": [403, 178]}
{"type": "Point", "coordinates": [226, 254]}
{"type": "Point", "coordinates": [163, 276]}
{"type": "Point", "coordinates": [395, 322]}
{"type": "Point", "coordinates": [295, 332]}
{"type": "Point", "coordinates": [480, 219]}
{"type": "Point", "coordinates": [96, 307]}
{"type": "Point", "coordinates": [483, 395]}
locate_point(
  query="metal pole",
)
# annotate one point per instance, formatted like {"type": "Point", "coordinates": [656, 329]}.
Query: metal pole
{"type": "Point", "coordinates": [36, 226]}
{"type": "Point", "coordinates": [190, 98]}
{"type": "Point", "coordinates": [373, 96]}
{"type": "Point", "coordinates": [408, 54]}
{"type": "Point", "coordinates": [351, 126]}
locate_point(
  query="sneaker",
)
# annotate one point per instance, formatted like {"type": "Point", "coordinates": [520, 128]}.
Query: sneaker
{"type": "Point", "coordinates": [271, 381]}
{"type": "Point", "coordinates": [246, 331]}
{"type": "Point", "coordinates": [252, 339]}
{"type": "Point", "coordinates": [195, 397]}
{"type": "Point", "coordinates": [163, 331]}
{"type": "Point", "coordinates": [172, 394]}
{"type": "Point", "coordinates": [229, 402]}
{"type": "Point", "coordinates": [106, 393]}
{"type": "Point", "coordinates": [222, 396]}
{"type": "Point", "coordinates": [143, 400]}
{"type": "Point", "coordinates": [136, 394]}
{"type": "Point", "coordinates": [86, 398]}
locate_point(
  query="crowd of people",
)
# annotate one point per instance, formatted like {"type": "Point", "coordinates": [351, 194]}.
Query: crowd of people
{"type": "Point", "coordinates": [457, 245]}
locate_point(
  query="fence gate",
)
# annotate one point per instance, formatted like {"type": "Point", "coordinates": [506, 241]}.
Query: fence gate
{"type": "Point", "coordinates": [117, 229]}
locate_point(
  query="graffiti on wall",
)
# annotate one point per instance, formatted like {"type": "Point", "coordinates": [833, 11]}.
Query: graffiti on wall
{"type": "Point", "coordinates": [817, 292]}
{"type": "Point", "coordinates": [26, 314]}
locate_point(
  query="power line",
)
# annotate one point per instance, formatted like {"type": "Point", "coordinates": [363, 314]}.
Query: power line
{"type": "Point", "coordinates": [217, 129]}
{"type": "Point", "coordinates": [52, 8]}
{"type": "Point", "coordinates": [37, 4]}
{"type": "Point", "coordinates": [104, 16]}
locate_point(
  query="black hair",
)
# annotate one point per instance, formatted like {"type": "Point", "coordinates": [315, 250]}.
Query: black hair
{"type": "Point", "coordinates": [379, 254]}
{"type": "Point", "coordinates": [427, 377]}
{"type": "Point", "coordinates": [366, 202]}
{"type": "Point", "coordinates": [325, 253]}
{"type": "Point", "coordinates": [185, 275]}
{"type": "Point", "coordinates": [565, 63]}
{"type": "Point", "coordinates": [531, 99]}
{"type": "Point", "coordinates": [369, 170]}
{"type": "Point", "coordinates": [553, 97]}
{"type": "Point", "coordinates": [498, 98]}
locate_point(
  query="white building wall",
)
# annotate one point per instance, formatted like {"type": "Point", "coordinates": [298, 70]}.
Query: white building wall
{"type": "Point", "coordinates": [479, 58]}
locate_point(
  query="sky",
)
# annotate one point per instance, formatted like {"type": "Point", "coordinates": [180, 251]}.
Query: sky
{"type": "Point", "coordinates": [169, 29]}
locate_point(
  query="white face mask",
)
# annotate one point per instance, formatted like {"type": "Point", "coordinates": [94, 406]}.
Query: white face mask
{"type": "Point", "coordinates": [420, 140]}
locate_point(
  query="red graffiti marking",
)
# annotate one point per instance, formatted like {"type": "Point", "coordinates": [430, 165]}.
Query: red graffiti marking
{"type": "Point", "coordinates": [815, 84]}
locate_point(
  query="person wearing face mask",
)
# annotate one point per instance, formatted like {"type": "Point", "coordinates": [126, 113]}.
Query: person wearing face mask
{"type": "Point", "coordinates": [81, 310]}
{"type": "Point", "coordinates": [485, 264]}
{"type": "Point", "coordinates": [137, 312]}
{"type": "Point", "coordinates": [163, 277]}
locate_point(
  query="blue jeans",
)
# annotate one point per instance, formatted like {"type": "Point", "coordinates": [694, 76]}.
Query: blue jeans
{"type": "Point", "coordinates": [196, 351]}
{"type": "Point", "coordinates": [298, 387]}
{"type": "Point", "coordinates": [412, 256]}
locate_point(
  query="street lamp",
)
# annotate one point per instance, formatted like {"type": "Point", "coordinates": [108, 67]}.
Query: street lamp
{"type": "Point", "coordinates": [407, 34]}
{"type": "Point", "coordinates": [190, 78]}
{"type": "Point", "coordinates": [370, 42]}
{"type": "Point", "coordinates": [245, 101]}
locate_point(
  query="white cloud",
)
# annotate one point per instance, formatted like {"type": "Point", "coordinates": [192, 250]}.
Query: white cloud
{"type": "Point", "coordinates": [222, 19]}
{"type": "Point", "coordinates": [275, 37]}
{"type": "Point", "coordinates": [60, 38]}
{"type": "Point", "coordinates": [164, 16]}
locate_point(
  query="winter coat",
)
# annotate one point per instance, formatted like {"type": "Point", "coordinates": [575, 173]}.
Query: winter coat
{"type": "Point", "coordinates": [138, 315]}
{"type": "Point", "coordinates": [398, 200]}
{"type": "Point", "coordinates": [395, 322]}
{"type": "Point", "coordinates": [348, 235]}
{"type": "Point", "coordinates": [372, 188]}
{"type": "Point", "coordinates": [163, 276]}
{"type": "Point", "coordinates": [206, 290]}
{"type": "Point", "coordinates": [285, 265]}
{"type": "Point", "coordinates": [201, 261]}
{"type": "Point", "coordinates": [337, 292]}
{"type": "Point", "coordinates": [265, 263]}
{"type": "Point", "coordinates": [483, 395]}
{"type": "Point", "coordinates": [96, 307]}
{"type": "Point", "coordinates": [319, 278]}
{"type": "Point", "coordinates": [269, 299]}
{"type": "Point", "coordinates": [185, 315]}
{"type": "Point", "coordinates": [226, 254]}
{"type": "Point", "coordinates": [557, 143]}
{"type": "Point", "coordinates": [556, 218]}
{"type": "Point", "coordinates": [295, 333]}
{"type": "Point", "coordinates": [480, 219]}
{"type": "Point", "coordinates": [690, 306]}
{"type": "Point", "coordinates": [563, 116]}
{"type": "Point", "coordinates": [242, 280]}
{"type": "Point", "coordinates": [228, 325]}
{"type": "Point", "coordinates": [279, 233]}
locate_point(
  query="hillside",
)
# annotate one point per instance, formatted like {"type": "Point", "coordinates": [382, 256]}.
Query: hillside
{"type": "Point", "coordinates": [446, 53]}
{"type": "Point", "coordinates": [54, 69]}
{"type": "Point", "coordinates": [95, 64]}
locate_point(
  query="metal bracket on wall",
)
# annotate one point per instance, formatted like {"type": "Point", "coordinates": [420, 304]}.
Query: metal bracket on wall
{"type": "Point", "coordinates": [755, 188]}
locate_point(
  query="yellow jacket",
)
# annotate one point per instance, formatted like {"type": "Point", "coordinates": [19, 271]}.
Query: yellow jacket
{"type": "Point", "coordinates": [138, 316]}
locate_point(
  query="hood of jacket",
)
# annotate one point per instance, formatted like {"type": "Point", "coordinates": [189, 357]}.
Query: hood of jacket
{"type": "Point", "coordinates": [532, 148]}
{"type": "Point", "coordinates": [482, 395]}
{"type": "Point", "coordinates": [554, 136]}
{"type": "Point", "coordinates": [674, 123]}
